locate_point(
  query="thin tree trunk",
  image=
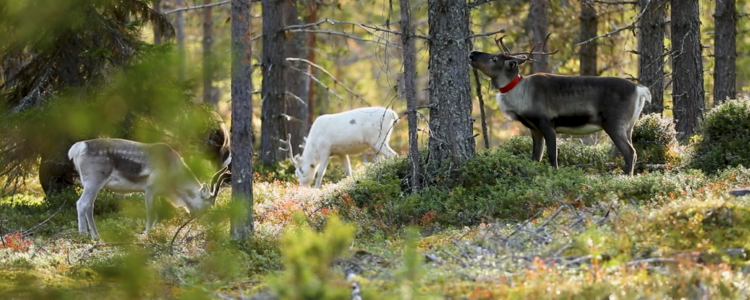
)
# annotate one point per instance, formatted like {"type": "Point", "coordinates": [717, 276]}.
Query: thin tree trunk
{"type": "Point", "coordinates": [297, 83]}
{"type": "Point", "coordinates": [687, 65]}
{"type": "Point", "coordinates": [241, 139]}
{"type": "Point", "coordinates": [274, 83]}
{"type": "Point", "coordinates": [651, 53]}
{"type": "Point", "coordinates": [209, 95]}
{"type": "Point", "coordinates": [451, 124]}
{"type": "Point", "coordinates": [180, 35]}
{"type": "Point", "coordinates": [725, 44]}
{"type": "Point", "coordinates": [539, 23]}
{"type": "Point", "coordinates": [587, 53]}
{"type": "Point", "coordinates": [409, 51]}
{"type": "Point", "coordinates": [157, 31]}
{"type": "Point", "coordinates": [312, 17]}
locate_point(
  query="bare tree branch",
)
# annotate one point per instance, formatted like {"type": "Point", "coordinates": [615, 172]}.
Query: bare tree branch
{"type": "Point", "coordinates": [327, 73]}
{"type": "Point", "coordinates": [344, 34]}
{"type": "Point", "coordinates": [486, 33]}
{"type": "Point", "coordinates": [367, 28]}
{"type": "Point", "coordinates": [318, 81]}
{"type": "Point", "coordinates": [478, 3]}
{"type": "Point", "coordinates": [631, 26]}
{"type": "Point", "coordinates": [290, 94]}
{"type": "Point", "coordinates": [616, 2]}
{"type": "Point", "coordinates": [197, 7]}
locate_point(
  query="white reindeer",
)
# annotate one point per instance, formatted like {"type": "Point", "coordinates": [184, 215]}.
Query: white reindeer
{"type": "Point", "coordinates": [343, 134]}
{"type": "Point", "coordinates": [126, 166]}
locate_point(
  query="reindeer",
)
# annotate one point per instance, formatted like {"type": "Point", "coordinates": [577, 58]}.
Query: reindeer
{"type": "Point", "coordinates": [548, 104]}
{"type": "Point", "coordinates": [125, 166]}
{"type": "Point", "coordinates": [342, 134]}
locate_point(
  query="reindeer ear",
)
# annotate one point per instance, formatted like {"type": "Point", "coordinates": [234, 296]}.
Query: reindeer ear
{"type": "Point", "coordinates": [205, 193]}
{"type": "Point", "coordinates": [511, 64]}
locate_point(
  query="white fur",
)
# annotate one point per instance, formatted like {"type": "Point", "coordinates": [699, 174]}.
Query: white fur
{"type": "Point", "coordinates": [343, 134]}
{"type": "Point", "coordinates": [644, 95]}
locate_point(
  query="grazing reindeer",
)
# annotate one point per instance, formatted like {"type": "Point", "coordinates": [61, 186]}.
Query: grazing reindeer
{"type": "Point", "coordinates": [125, 166]}
{"type": "Point", "coordinates": [342, 134]}
{"type": "Point", "coordinates": [548, 104]}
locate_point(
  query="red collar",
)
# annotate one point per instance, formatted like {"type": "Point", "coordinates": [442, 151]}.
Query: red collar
{"type": "Point", "coordinates": [511, 84]}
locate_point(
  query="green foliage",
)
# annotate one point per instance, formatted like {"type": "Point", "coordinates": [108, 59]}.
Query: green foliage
{"type": "Point", "coordinates": [502, 183]}
{"type": "Point", "coordinates": [308, 256]}
{"type": "Point", "coordinates": [724, 135]}
{"type": "Point", "coordinates": [411, 270]}
{"type": "Point", "coordinates": [655, 141]}
{"type": "Point", "coordinates": [284, 171]}
{"type": "Point", "coordinates": [570, 153]}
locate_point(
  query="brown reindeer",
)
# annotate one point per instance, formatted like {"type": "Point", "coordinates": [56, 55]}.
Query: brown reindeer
{"type": "Point", "coordinates": [548, 104]}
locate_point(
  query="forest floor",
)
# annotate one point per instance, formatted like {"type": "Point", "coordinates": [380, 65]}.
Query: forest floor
{"type": "Point", "coordinates": [693, 246]}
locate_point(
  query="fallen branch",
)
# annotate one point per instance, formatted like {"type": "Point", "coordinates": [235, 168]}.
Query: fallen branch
{"type": "Point", "coordinates": [171, 243]}
{"type": "Point", "coordinates": [31, 230]}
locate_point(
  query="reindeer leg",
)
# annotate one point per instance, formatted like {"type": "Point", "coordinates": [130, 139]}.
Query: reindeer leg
{"type": "Point", "coordinates": [550, 137]}
{"type": "Point", "coordinates": [538, 142]}
{"type": "Point", "coordinates": [85, 208]}
{"type": "Point", "coordinates": [150, 210]}
{"type": "Point", "coordinates": [621, 138]}
{"type": "Point", "coordinates": [321, 170]}
{"type": "Point", "coordinates": [347, 164]}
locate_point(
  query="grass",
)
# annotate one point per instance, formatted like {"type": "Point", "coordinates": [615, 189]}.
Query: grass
{"type": "Point", "coordinates": [591, 234]}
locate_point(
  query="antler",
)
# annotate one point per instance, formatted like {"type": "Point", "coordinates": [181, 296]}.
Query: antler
{"type": "Point", "coordinates": [288, 143]}
{"type": "Point", "coordinates": [217, 180]}
{"type": "Point", "coordinates": [528, 54]}
{"type": "Point", "coordinates": [499, 42]}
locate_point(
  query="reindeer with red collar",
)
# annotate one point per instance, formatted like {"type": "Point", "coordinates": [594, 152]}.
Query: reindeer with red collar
{"type": "Point", "coordinates": [548, 104]}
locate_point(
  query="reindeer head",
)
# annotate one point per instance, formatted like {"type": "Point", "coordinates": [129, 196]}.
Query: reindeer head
{"type": "Point", "coordinates": [305, 171]}
{"type": "Point", "coordinates": [206, 195]}
{"type": "Point", "coordinates": [503, 67]}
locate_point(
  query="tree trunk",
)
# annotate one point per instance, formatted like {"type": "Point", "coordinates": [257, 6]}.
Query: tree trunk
{"type": "Point", "coordinates": [407, 42]}
{"type": "Point", "coordinates": [274, 85]}
{"type": "Point", "coordinates": [651, 53]}
{"type": "Point", "coordinates": [210, 95]}
{"type": "Point", "coordinates": [297, 83]}
{"type": "Point", "coordinates": [157, 31]}
{"type": "Point", "coordinates": [687, 65]}
{"type": "Point", "coordinates": [180, 35]}
{"type": "Point", "coordinates": [539, 23]}
{"type": "Point", "coordinates": [312, 17]}
{"type": "Point", "coordinates": [451, 125]}
{"type": "Point", "coordinates": [725, 44]}
{"type": "Point", "coordinates": [587, 53]}
{"type": "Point", "coordinates": [56, 170]}
{"type": "Point", "coordinates": [241, 136]}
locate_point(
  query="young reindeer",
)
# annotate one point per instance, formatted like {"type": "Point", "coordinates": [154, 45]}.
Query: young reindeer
{"type": "Point", "coordinates": [126, 167]}
{"type": "Point", "coordinates": [548, 104]}
{"type": "Point", "coordinates": [342, 134]}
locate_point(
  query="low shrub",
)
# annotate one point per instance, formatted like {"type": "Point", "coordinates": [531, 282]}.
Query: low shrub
{"type": "Point", "coordinates": [570, 153]}
{"type": "Point", "coordinates": [723, 139]}
{"type": "Point", "coordinates": [504, 183]}
{"type": "Point", "coordinates": [655, 141]}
